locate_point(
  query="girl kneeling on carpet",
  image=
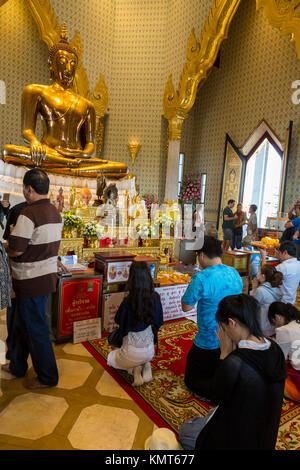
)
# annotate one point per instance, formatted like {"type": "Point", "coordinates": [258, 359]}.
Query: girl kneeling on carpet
{"type": "Point", "coordinates": [286, 319]}
{"type": "Point", "coordinates": [247, 386]}
{"type": "Point", "coordinates": [139, 318]}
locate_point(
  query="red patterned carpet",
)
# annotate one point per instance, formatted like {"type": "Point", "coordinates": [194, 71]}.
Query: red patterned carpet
{"type": "Point", "coordinates": [167, 400]}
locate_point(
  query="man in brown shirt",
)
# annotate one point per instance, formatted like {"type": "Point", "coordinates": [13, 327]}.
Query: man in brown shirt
{"type": "Point", "coordinates": [33, 248]}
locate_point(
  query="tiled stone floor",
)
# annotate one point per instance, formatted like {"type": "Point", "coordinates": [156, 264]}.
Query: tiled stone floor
{"type": "Point", "coordinates": [87, 410]}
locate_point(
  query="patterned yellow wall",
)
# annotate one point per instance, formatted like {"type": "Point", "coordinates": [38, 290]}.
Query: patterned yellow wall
{"type": "Point", "coordinates": [23, 60]}
{"type": "Point", "coordinates": [253, 83]}
{"type": "Point", "coordinates": [136, 44]}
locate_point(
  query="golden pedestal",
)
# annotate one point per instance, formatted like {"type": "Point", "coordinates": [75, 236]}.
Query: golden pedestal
{"type": "Point", "coordinates": [87, 254]}
{"type": "Point", "coordinates": [71, 244]}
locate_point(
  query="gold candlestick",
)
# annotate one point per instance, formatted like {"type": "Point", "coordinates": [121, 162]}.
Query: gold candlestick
{"type": "Point", "coordinates": [133, 148]}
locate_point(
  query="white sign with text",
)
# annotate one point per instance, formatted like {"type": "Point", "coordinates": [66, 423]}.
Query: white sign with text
{"type": "Point", "coordinates": [170, 297]}
{"type": "Point", "coordinates": [86, 330]}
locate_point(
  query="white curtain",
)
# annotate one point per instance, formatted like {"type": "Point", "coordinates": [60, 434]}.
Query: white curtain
{"type": "Point", "coordinates": [11, 178]}
{"type": "Point", "coordinates": [11, 181]}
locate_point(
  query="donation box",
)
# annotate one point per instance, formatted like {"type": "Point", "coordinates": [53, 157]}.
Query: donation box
{"type": "Point", "coordinates": [114, 266]}
{"type": "Point", "coordinates": [77, 298]}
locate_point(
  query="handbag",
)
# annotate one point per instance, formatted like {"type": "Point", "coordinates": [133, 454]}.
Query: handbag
{"type": "Point", "coordinates": [114, 338]}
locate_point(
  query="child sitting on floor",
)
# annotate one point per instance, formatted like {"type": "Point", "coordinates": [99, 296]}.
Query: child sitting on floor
{"type": "Point", "coordinates": [139, 318]}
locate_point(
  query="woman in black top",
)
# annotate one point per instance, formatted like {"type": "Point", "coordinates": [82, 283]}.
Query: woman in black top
{"type": "Point", "coordinates": [139, 318]}
{"type": "Point", "coordinates": [248, 385]}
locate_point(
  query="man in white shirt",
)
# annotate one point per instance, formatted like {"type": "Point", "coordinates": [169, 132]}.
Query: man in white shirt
{"type": "Point", "coordinates": [290, 268]}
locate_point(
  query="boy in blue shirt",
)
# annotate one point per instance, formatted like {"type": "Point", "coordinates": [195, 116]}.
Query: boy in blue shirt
{"type": "Point", "coordinates": [206, 289]}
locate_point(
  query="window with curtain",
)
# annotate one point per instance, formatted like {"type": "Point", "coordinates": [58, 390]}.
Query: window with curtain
{"type": "Point", "coordinates": [203, 187]}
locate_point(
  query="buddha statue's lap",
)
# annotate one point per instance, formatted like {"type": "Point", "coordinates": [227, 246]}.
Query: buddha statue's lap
{"type": "Point", "coordinates": [69, 120]}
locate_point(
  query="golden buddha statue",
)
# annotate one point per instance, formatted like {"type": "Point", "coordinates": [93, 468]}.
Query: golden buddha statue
{"type": "Point", "coordinates": [68, 120]}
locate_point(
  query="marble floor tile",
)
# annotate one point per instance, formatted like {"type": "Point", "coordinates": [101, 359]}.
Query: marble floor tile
{"type": "Point", "coordinates": [104, 428]}
{"type": "Point", "coordinates": [108, 386]}
{"type": "Point", "coordinates": [32, 415]}
{"type": "Point", "coordinates": [76, 349]}
{"type": "Point", "coordinates": [72, 374]}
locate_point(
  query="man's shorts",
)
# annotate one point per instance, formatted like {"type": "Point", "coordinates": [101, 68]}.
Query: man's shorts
{"type": "Point", "coordinates": [227, 234]}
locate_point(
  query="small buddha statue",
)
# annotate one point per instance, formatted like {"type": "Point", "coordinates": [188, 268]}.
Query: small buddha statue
{"type": "Point", "coordinates": [60, 200]}
{"type": "Point", "coordinates": [86, 195]}
{"type": "Point", "coordinates": [69, 122]}
{"type": "Point", "coordinates": [72, 197]}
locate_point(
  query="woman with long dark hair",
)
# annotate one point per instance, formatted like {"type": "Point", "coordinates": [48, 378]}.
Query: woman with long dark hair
{"type": "Point", "coordinates": [266, 289]}
{"type": "Point", "coordinates": [247, 386]}
{"type": "Point", "coordinates": [286, 319]}
{"type": "Point", "coordinates": [139, 318]}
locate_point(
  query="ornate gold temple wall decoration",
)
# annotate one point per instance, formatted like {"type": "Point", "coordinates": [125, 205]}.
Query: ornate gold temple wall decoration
{"type": "Point", "coordinates": [285, 16]}
{"type": "Point", "coordinates": [133, 147]}
{"type": "Point", "coordinates": [200, 58]}
{"type": "Point", "coordinates": [100, 100]}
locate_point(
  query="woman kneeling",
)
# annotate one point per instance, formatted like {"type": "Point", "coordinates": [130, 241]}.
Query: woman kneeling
{"type": "Point", "coordinates": [139, 318]}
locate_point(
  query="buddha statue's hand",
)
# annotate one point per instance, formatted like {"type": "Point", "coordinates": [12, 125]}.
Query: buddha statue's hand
{"type": "Point", "coordinates": [38, 153]}
{"type": "Point", "coordinates": [73, 153]}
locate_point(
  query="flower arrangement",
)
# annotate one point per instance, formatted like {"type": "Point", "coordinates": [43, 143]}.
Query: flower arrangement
{"type": "Point", "coordinates": [143, 230]}
{"type": "Point", "coordinates": [89, 230]}
{"type": "Point", "coordinates": [149, 200]}
{"type": "Point", "coordinates": [147, 230]}
{"type": "Point", "coordinates": [71, 220]}
{"type": "Point", "coordinates": [190, 192]}
{"type": "Point", "coordinates": [163, 219]}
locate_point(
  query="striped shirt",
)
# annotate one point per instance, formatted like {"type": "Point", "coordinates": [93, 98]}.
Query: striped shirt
{"type": "Point", "coordinates": [37, 235]}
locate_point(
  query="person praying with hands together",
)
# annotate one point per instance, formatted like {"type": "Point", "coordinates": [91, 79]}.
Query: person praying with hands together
{"type": "Point", "coordinates": [248, 385]}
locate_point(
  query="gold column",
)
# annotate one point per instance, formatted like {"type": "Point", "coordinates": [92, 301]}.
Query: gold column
{"type": "Point", "coordinates": [200, 58]}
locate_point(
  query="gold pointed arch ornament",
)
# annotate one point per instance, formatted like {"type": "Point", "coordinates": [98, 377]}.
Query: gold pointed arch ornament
{"type": "Point", "coordinates": [201, 55]}
{"type": "Point", "coordinates": [200, 58]}
{"type": "Point", "coordinates": [283, 15]}
{"type": "Point", "coordinates": [49, 31]}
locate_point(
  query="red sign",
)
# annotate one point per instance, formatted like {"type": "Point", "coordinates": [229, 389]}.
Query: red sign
{"type": "Point", "coordinates": [80, 300]}
{"type": "Point", "coordinates": [170, 297]}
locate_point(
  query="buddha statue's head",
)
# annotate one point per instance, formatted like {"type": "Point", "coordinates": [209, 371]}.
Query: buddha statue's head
{"type": "Point", "coordinates": [63, 61]}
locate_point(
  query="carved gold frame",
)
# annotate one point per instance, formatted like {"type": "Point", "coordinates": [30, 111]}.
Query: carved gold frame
{"type": "Point", "coordinates": [284, 16]}
{"type": "Point", "coordinates": [201, 56]}
{"type": "Point", "coordinates": [49, 30]}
